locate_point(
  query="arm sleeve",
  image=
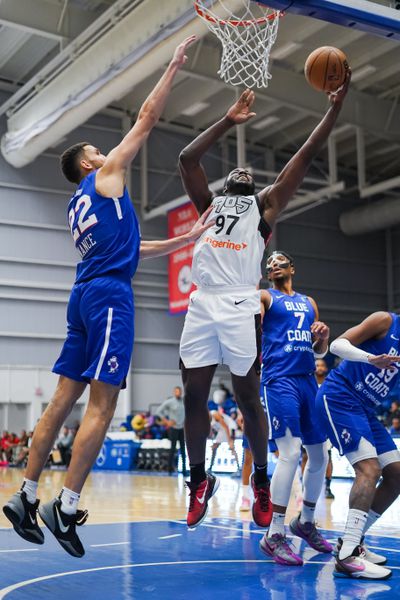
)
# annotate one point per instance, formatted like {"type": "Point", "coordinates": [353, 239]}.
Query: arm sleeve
{"type": "Point", "coordinates": [345, 349]}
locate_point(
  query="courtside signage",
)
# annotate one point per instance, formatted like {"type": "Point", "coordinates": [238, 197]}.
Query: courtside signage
{"type": "Point", "coordinates": [180, 221]}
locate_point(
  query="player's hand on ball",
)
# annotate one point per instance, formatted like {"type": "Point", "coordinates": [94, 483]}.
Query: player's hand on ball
{"type": "Point", "coordinates": [240, 112]}
{"type": "Point", "coordinates": [180, 57]}
{"type": "Point", "coordinates": [320, 330]}
{"type": "Point", "coordinates": [340, 94]}
{"type": "Point", "coordinates": [383, 361]}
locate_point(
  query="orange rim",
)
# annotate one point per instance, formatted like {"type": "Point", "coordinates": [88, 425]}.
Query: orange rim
{"type": "Point", "coordinates": [235, 22]}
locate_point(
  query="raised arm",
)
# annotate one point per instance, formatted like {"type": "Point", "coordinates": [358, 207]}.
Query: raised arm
{"type": "Point", "coordinates": [193, 174]}
{"type": "Point", "coordinates": [154, 248]}
{"type": "Point", "coordinates": [111, 176]}
{"type": "Point", "coordinates": [375, 326]}
{"type": "Point", "coordinates": [275, 198]}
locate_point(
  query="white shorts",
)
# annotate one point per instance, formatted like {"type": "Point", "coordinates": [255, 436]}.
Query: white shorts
{"type": "Point", "coordinates": [222, 328]}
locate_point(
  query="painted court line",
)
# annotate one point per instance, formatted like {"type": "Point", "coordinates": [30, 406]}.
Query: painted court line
{"type": "Point", "coordinates": [5, 591]}
{"type": "Point", "coordinates": [168, 537]}
{"type": "Point", "coordinates": [22, 550]}
{"type": "Point", "coordinates": [110, 544]}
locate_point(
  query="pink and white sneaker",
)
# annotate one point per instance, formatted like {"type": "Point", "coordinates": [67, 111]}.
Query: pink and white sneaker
{"type": "Point", "coordinates": [278, 547]}
{"type": "Point", "coordinates": [356, 566]}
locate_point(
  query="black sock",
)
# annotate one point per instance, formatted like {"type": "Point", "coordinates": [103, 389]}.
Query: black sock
{"type": "Point", "coordinates": [327, 483]}
{"type": "Point", "coordinates": [197, 473]}
{"type": "Point", "coordinates": [260, 474]}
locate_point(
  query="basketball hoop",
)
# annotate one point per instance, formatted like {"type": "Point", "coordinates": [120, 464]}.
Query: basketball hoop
{"type": "Point", "coordinates": [246, 38]}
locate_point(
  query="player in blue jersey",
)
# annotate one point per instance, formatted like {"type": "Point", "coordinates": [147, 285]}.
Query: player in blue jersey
{"type": "Point", "coordinates": [100, 315]}
{"type": "Point", "coordinates": [346, 405]}
{"type": "Point", "coordinates": [292, 337]}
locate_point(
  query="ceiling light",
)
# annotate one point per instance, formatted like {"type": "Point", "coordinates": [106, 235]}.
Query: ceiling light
{"type": "Point", "coordinates": [285, 50]}
{"type": "Point", "coordinates": [271, 120]}
{"type": "Point", "coordinates": [363, 72]}
{"type": "Point", "coordinates": [195, 108]}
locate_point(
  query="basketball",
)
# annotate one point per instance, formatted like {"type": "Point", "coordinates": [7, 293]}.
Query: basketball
{"type": "Point", "coordinates": [326, 68]}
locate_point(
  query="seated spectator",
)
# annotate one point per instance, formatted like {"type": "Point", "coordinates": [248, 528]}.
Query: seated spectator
{"type": "Point", "coordinates": [7, 444]}
{"type": "Point", "coordinates": [393, 412]}
{"type": "Point", "coordinates": [22, 451]}
{"type": "Point", "coordinates": [64, 445]}
{"type": "Point", "coordinates": [395, 427]}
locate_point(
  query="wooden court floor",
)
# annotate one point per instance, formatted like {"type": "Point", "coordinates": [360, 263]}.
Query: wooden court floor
{"type": "Point", "coordinates": [119, 497]}
{"type": "Point", "coordinates": [138, 547]}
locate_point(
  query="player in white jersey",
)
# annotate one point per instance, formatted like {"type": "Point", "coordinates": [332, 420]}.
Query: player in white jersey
{"type": "Point", "coordinates": [224, 312]}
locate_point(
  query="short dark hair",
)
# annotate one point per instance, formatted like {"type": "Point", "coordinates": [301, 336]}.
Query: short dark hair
{"type": "Point", "coordinates": [70, 162]}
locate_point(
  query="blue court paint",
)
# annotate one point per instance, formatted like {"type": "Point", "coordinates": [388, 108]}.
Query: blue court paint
{"type": "Point", "coordinates": [383, 21]}
{"type": "Point", "coordinates": [164, 560]}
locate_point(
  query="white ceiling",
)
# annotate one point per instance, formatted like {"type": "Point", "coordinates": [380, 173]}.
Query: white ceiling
{"type": "Point", "coordinates": [34, 31]}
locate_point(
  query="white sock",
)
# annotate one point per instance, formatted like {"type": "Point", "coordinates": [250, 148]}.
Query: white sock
{"type": "Point", "coordinates": [356, 520]}
{"type": "Point", "coordinates": [277, 524]}
{"type": "Point", "coordinates": [69, 501]}
{"type": "Point", "coordinates": [307, 514]}
{"type": "Point", "coordinates": [371, 519]}
{"type": "Point", "coordinates": [30, 488]}
{"type": "Point", "coordinates": [246, 491]}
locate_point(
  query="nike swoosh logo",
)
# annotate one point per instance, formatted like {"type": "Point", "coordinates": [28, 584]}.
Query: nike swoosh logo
{"type": "Point", "coordinates": [32, 519]}
{"type": "Point", "coordinates": [203, 497]}
{"type": "Point", "coordinates": [61, 525]}
{"type": "Point", "coordinates": [278, 297]}
{"type": "Point", "coordinates": [394, 337]}
{"type": "Point", "coordinates": [240, 301]}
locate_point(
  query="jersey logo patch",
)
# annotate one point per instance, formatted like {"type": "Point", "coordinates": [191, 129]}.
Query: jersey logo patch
{"type": "Point", "coordinates": [275, 423]}
{"type": "Point", "coordinates": [113, 364]}
{"type": "Point", "coordinates": [346, 436]}
{"type": "Point", "coordinates": [288, 348]}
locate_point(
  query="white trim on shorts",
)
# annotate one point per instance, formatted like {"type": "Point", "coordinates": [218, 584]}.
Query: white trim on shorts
{"type": "Point", "coordinates": [266, 409]}
{"type": "Point", "coordinates": [333, 426]}
{"type": "Point", "coordinates": [118, 208]}
{"type": "Point", "coordinates": [106, 343]}
{"type": "Point", "coordinates": [366, 451]}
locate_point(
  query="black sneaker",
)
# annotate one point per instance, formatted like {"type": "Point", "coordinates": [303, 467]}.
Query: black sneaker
{"type": "Point", "coordinates": [328, 494]}
{"type": "Point", "coordinates": [62, 526]}
{"type": "Point", "coordinates": [23, 516]}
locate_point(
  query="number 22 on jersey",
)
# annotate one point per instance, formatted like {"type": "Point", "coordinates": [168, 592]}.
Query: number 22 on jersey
{"type": "Point", "coordinates": [84, 222]}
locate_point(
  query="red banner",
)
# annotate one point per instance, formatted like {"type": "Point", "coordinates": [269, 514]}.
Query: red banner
{"type": "Point", "coordinates": [180, 220]}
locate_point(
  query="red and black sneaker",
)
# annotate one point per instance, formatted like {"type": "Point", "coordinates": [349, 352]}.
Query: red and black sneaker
{"type": "Point", "coordinates": [262, 505]}
{"type": "Point", "coordinates": [199, 495]}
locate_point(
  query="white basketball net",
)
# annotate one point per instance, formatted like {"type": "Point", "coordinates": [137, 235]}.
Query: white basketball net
{"type": "Point", "coordinates": [247, 36]}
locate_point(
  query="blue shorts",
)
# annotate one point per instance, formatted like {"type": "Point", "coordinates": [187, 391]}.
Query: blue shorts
{"type": "Point", "coordinates": [100, 332]}
{"type": "Point", "coordinates": [272, 447]}
{"type": "Point", "coordinates": [290, 403]}
{"type": "Point", "coordinates": [346, 420]}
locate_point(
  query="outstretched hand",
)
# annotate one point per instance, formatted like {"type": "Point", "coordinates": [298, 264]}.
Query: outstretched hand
{"type": "Point", "coordinates": [383, 361]}
{"type": "Point", "coordinates": [179, 58]}
{"type": "Point", "coordinates": [240, 112]}
{"type": "Point", "coordinates": [200, 226]}
{"type": "Point", "coordinates": [340, 94]}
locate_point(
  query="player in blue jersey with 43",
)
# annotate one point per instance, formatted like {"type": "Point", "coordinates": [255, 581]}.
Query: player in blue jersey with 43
{"type": "Point", "coordinates": [292, 337]}
{"type": "Point", "coordinates": [346, 405]}
{"type": "Point", "coordinates": [100, 315]}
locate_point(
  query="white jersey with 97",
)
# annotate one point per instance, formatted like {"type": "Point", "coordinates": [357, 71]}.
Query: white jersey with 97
{"type": "Point", "coordinates": [230, 252]}
{"type": "Point", "coordinates": [222, 324]}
